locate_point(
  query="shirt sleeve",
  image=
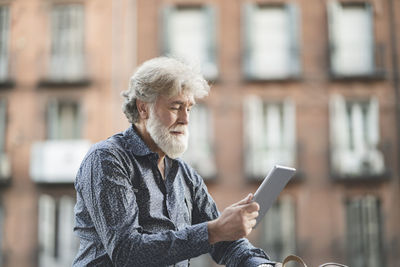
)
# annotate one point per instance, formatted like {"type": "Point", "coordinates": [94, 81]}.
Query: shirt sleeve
{"type": "Point", "coordinates": [235, 253]}
{"type": "Point", "coordinates": [103, 184]}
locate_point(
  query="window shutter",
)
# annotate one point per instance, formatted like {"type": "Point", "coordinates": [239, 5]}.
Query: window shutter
{"type": "Point", "coordinates": [354, 232]}
{"type": "Point", "coordinates": [339, 123]}
{"type": "Point", "coordinates": [372, 230]}
{"type": "Point", "coordinates": [333, 11]}
{"type": "Point", "coordinates": [373, 123]}
{"type": "Point", "coordinates": [357, 122]}
{"type": "Point", "coordinates": [247, 36]}
{"type": "Point", "coordinates": [254, 134]}
{"type": "Point", "coordinates": [294, 27]}
{"type": "Point", "coordinates": [371, 35]}
{"type": "Point", "coordinates": [4, 35]}
{"type": "Point", "coordinates": [289, 133]}
{"type": "Point", "coordinates": [47, 234]}
{"type": "Point", "coordinates": [273, 127]}
{"type": "Point", "coordinates": [342, 160]}
{"type": "Point", "coordinates": [77, 41]}
{"type": "Point", "coordinates": [67, 37]}
{"type": "Point", "coordinates": [68, 243]}
{"type": "Point", "coordinates": [166, 29]}
{"type": "Point", "coordinates": [68, 120]}
{"type": "Point", "coordinates": [52, 120]}
{"type": "Point", "coordinates": [288, 226]}
{"type": "Point", "coordinates": [56, 34]}
{"type": "Point", "coordinates": [210, 70]}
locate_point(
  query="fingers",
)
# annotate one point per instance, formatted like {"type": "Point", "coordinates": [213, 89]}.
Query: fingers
{"type": "Point", "coordinates": [244, 201]}
{"type": "Point", "coordinates": [253, 206]}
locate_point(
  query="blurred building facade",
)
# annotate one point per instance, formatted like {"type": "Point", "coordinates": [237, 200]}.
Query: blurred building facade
{"type": "Point", "coordinates": [310, 84]}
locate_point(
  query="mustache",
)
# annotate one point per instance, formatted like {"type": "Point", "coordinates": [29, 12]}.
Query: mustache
{"type": "Point", "coordinates": [179, 128]}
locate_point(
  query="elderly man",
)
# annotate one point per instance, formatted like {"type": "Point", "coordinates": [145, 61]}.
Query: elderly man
{"type": "Point", "coordinates": [138, 204]}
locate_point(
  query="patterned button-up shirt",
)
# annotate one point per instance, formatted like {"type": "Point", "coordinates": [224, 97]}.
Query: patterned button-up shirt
{"type": "Point", "coordinates": [128, 215]}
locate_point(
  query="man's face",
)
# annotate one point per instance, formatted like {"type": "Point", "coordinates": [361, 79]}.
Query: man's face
{"type": "Point", "coordinates": [168, 123]}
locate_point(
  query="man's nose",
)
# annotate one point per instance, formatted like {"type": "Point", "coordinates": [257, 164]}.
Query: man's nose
{"type": "Point", "coordinates": [184, 117]}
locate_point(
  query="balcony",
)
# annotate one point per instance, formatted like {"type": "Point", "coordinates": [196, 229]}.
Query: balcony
{"type": "Point", "coordinates": [373, 165]}
{"type": "Point", "coordinates": [57, 161]}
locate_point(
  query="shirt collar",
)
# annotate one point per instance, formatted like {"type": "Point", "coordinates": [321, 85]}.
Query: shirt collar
{"type": "Point", "coordinates": [138, 147]}
{"type": "Point", "coordinates": [135, 143]}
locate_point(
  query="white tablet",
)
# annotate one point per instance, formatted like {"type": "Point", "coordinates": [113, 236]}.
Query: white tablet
{"type": "Point", "coordinates": [271, 187]}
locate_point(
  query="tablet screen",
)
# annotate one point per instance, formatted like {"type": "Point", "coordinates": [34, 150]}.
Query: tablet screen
{"type": "Point", "coordinates": [271, 187]}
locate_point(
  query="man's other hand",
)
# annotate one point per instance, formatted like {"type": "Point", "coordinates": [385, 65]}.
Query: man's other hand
{"type": "Point", "coordinates": [235, 222]}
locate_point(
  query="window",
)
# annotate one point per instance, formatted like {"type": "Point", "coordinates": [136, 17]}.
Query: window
{"type": "Point", "coordinates": [351, 38]}
{"type": "Point", "coordinates": [189, 33]}
{"type": "Point", "coordinates": [269, 135]}
{"type": "Point", "coordinates": [57, 159]}
{"type": "Point", "coordinates": [4, 39]}
{"type": "Point", "coordinates": [64, 120]}
{"type": "Point", "coordinates": [364, 232]}
{"type": "Point", "coordinates": [271, 42]}
{"type": "Point", "coordinates": [67, 43]}
{"type": "Point", "coordinates": [354, 137]}
{"type": "Point", "coordinates": [57, 243]}
{"type": "Point", "coordinates": [278, 235]}
{"type": "Point", "coordinates": [200, 153]}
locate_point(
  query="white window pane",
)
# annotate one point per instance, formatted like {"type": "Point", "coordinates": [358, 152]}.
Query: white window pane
{"type": "Point", "coordinates": [355, 137]}
{"type": "Point", "coordinates": [353, 44]}
{"type": "Point", "coordinates": [267, 138]}
{"type": "Point", "coordinates": [188, 30]}
{"type": "Point", "coordinates": [364, 232]}
{"type": "Point", "coordinates": [63, 120]}
{"type": "Point", "coordinates": [67, 241]}
{"type": "Point", "coordinates": [47, 232]}
{"type": "Point", "coordinates": [270, 42]}
{"type": "Point", "coordinates": [278, 235]}
{"type": "Point", "coordinates": [67, 49]}
{"type": "Point", "coordinates": [4, 38]}
{"type": "Point", "coordinates": [190, 35]}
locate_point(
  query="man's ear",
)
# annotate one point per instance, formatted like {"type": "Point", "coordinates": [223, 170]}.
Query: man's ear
{"type": "Point", "coordinates": [143, 109]}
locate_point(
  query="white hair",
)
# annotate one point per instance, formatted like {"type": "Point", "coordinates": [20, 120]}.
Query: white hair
{"type": "Point", "coordinates": [162, 76]}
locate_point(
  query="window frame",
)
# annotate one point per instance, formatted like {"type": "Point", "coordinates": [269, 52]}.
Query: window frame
{"type": "Point", "coordinates": [279, 225]}
{"type": "Point", "coordinates": [254, 104]}
{"type": "Point", "coordinates": [359, 221]}
{"type": "Point", "coordinates": [211, 45]}
{"type": "Point", "coordinates": [53, 119]}
{"type": "Point", "coordinates": [345, 162]}
{"type": "Point", "coordinates": [377, 50]}
{"type": "Point", "coordinates": [56, 248]}
{"type": "Point", "coordinates": [294, 22]}
{"type": "Point", "coordinates": [55, 75]}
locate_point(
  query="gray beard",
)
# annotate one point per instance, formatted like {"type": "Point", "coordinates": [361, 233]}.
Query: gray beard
{"type": "Point", "coordinates": [172, 146]}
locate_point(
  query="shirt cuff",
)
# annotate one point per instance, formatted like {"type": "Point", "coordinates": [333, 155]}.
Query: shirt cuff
{"type": "Point", "coordinates": [255, 261]}
{"type": "Point", "coordinates": [200, 232]}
